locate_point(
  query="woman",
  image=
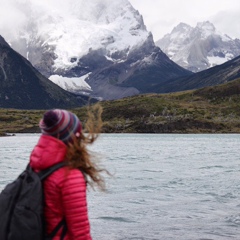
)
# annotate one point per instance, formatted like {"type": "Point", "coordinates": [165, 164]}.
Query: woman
{"type": "Point", "coordinates": [63, 140]}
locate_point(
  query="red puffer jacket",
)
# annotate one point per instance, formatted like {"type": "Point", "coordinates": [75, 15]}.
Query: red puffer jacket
{"type": "Point", "coordinates": [64, 190]}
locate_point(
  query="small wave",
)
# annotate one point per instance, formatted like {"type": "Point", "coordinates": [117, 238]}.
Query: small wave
{"type": "Point", "coordinates": [229, 195]}
{"type": "Point", "coordinates": [235, 220]}
{"type": "Point", "coordinates": [117, 219]}
{"type": "Point", "coordinates": [177, 181]}
{"type": "Point", "coordinates": [152, 170]}
{"type": "Point", "coordinates": [210, 167]}
{"type": "Point", "coordinates": [135, 238]}
{"type": "Point", "coordinates": [205, 239]}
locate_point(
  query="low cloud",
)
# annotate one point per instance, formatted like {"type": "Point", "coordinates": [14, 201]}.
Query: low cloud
{"type": "Point", "coordinates": [11, 19]}
{"type": "Point", "coordinates": [229, 24]}
{"type": "Point", "coordinates": [161, 17]}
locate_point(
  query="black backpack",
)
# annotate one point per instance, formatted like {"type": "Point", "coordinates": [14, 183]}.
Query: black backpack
{"type": "Point", "coordinates": [21, 207]}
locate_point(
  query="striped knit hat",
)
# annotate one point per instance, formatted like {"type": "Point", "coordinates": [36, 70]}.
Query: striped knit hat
{"type": "Point", "coordinates": [61, 124]}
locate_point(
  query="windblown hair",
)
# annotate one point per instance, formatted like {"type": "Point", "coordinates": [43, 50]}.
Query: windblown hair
{"type": "Point", "coordinates": [78, 156]}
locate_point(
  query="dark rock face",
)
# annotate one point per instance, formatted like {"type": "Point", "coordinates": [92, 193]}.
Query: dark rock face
{"type": "Point", "coordinates": [143, 69]}
{"type": "Point", "coordinates": [23, 87]}
{"type": "Point", "coordinates": [3, 43]}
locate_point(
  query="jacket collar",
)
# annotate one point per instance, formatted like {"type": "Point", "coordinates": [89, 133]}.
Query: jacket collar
{"type": "Point", "coordinates": [47, 152]}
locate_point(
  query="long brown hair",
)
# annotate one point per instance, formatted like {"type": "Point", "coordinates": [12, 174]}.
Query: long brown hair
{"type": "Point", "coordinates": [79, 156]}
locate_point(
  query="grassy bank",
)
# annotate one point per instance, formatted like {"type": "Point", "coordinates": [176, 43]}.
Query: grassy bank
{"type": "Point", "coordinates": [208, 110]}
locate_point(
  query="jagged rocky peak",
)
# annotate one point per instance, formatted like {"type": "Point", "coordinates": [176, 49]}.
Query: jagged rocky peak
{"type": "Point", "coordinates": [58, 34]}
{"type": "Point", "coordinates": [206, 28]}
{"type": "Point", "coordinates": [181, 27]}
{"type": "Point", "coordinates": [200, 47]}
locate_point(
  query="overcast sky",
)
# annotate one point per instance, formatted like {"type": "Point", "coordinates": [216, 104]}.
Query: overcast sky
{"type": "Point", "coordinates": [160, 16]}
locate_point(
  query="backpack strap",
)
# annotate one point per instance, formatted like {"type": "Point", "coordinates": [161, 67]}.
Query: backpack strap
{"type": "Point", "coordinates": [46, 172]}
{"type": "Point", "coordinates": [42, 175]}
{"type": "Point", "coordinates": [64, 230]}
{"type": "Point", "coordinates": [63, 224]}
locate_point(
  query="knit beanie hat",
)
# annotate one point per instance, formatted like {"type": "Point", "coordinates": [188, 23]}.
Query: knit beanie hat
{"type": "Point", "coordinates": [61, 124]}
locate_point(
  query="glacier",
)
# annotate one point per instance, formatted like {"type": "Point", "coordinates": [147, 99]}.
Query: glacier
{"type": "Point", "coordinates": [73, 84]}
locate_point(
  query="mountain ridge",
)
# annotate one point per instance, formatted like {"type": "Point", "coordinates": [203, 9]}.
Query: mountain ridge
{"type": "Point", "coordinates": [23, 87]}
{"type": "Point", "coordinates": [214, 76]}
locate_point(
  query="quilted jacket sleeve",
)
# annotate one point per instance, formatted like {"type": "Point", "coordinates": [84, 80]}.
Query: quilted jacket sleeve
{"type": "Point", "coordinates": [74, 206]}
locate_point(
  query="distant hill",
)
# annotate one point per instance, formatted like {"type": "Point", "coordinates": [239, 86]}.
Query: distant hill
{"type": "Point", "coordinates": [23, 87]}
{"type": "Point", "coordinates": [213, 109]}
{"type": "Point", "coordinates": [213, 76]}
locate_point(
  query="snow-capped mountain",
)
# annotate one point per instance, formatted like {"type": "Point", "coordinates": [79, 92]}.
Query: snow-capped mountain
{"type": "Point", "coordinates": [94, 47]}
{"type": "Point", "coordinates": [80, 28]}
{"type": "Point", "coordinates": [198, 48]}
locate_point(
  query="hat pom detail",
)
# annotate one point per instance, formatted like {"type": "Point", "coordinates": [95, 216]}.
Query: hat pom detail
{"type": "Point", "coordinates": [50, 118]}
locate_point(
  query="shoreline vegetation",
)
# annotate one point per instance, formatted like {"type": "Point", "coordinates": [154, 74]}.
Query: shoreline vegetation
{"type": "Point", "coordinates": [213, 109]}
